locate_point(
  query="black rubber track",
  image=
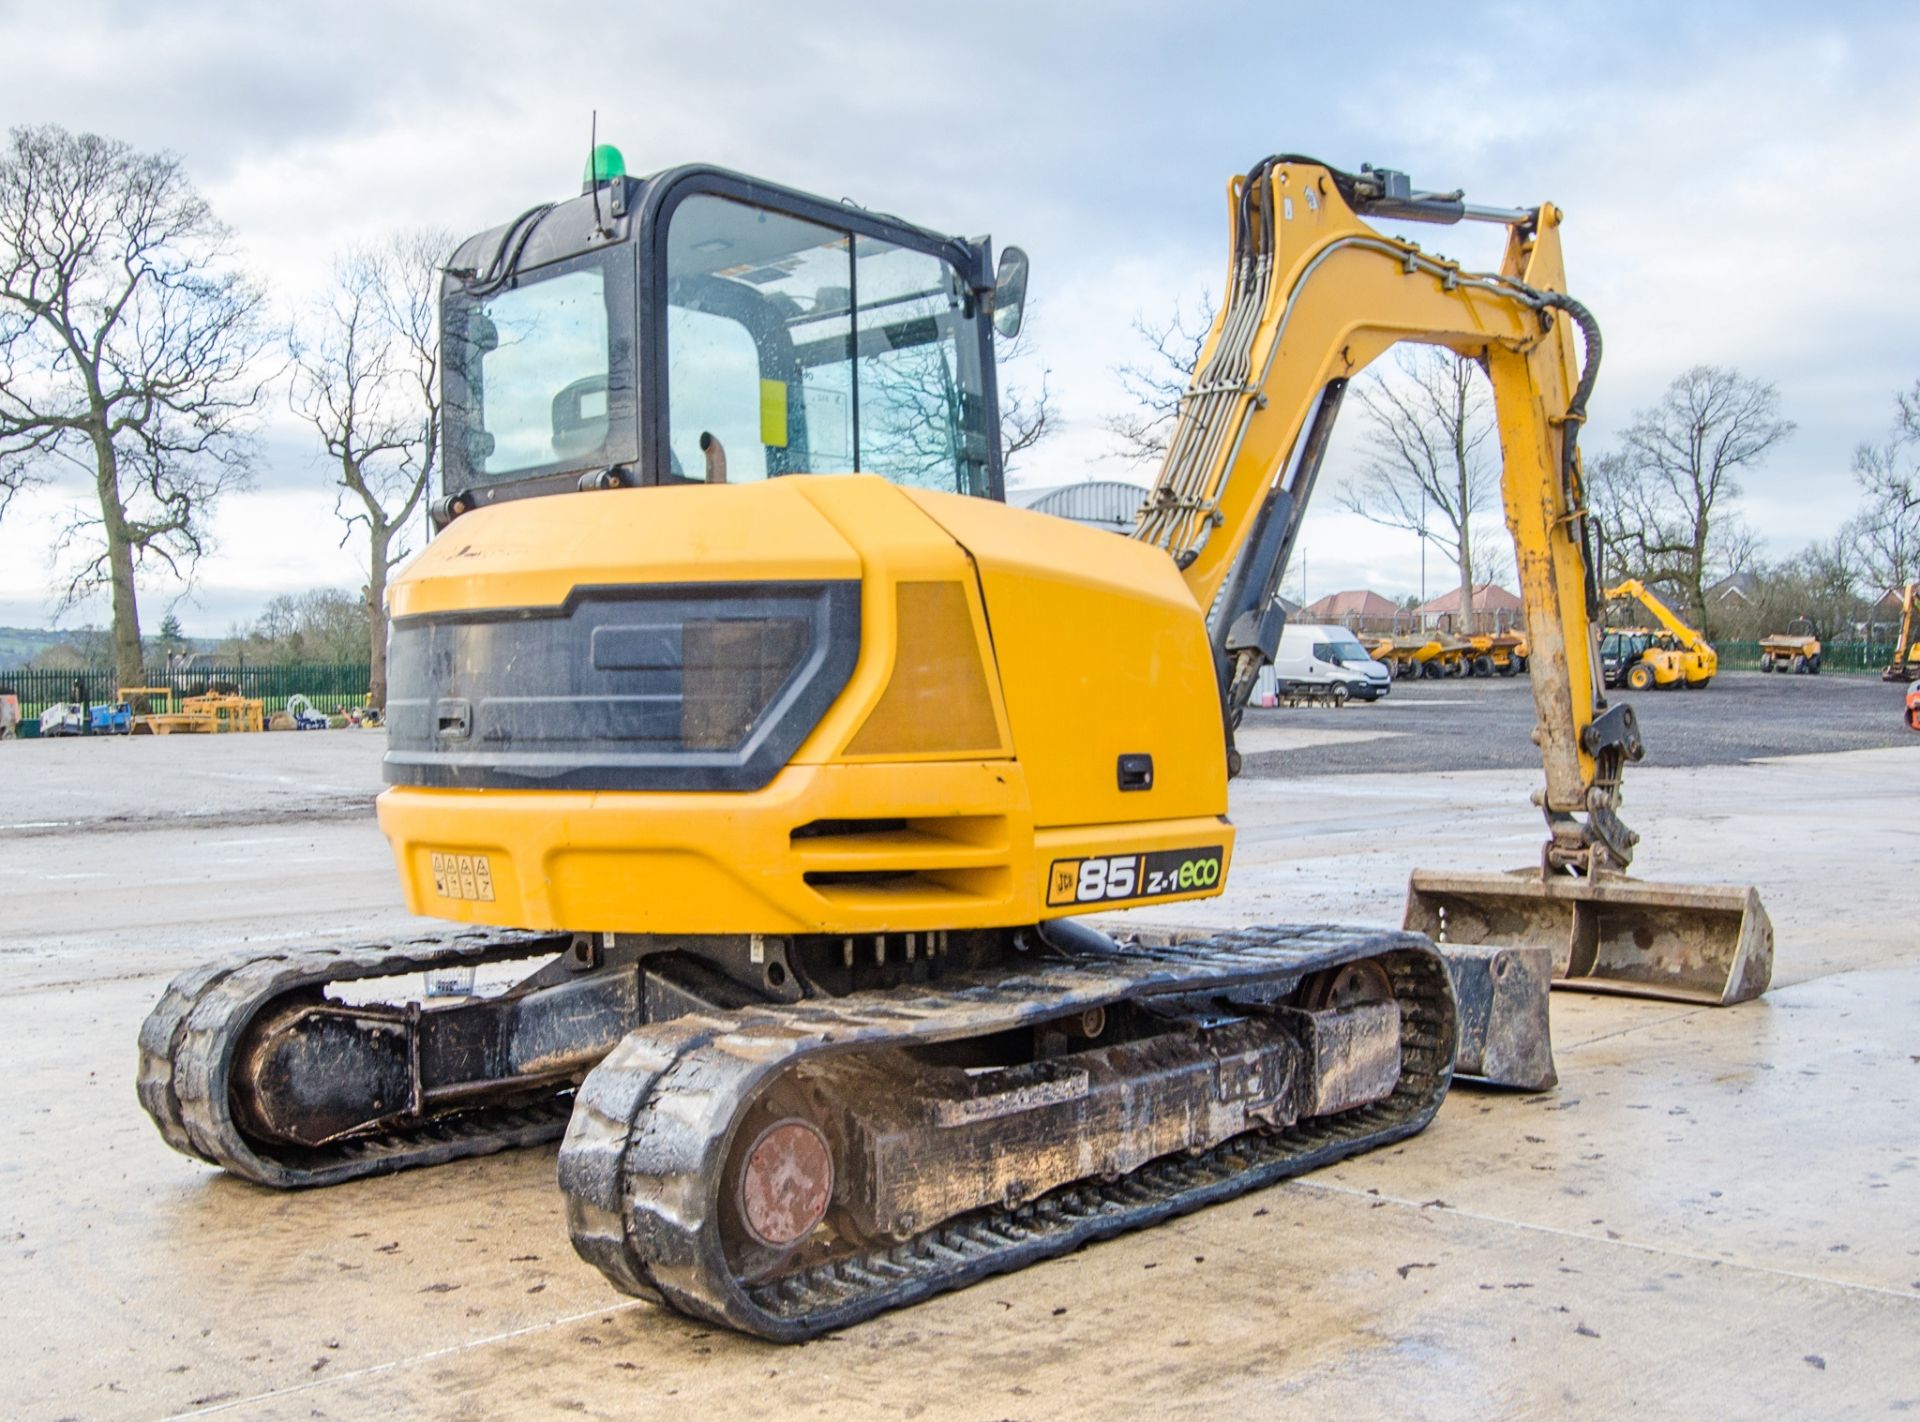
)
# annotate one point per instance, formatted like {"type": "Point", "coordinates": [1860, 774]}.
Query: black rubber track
{"type": "Point", "coordinates": [652, 1124]}
{"type": "Point", "coordinates": [187, 1045]}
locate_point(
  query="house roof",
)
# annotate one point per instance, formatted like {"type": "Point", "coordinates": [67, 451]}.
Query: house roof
{"type": "Point", "coordinates": [1740, 585]}
{"type": "Point", "coordinates": [1354, 602]}
{"type": "Point", "coordinates": [1487, 597]}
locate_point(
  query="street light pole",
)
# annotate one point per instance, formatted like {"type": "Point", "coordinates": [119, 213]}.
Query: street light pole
{"type": "Point", "coordinates": [1423, 545]}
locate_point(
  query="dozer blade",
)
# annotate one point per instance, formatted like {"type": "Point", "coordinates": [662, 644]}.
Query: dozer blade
{"type": "Point", "coordinates": [1678, 942]}
{"type": "Point", "coordinates": [1500, 991]}
{"type": "Point", "coordinates": [1501, 994]}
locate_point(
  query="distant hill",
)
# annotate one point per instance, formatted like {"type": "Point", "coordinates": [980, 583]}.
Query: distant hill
{"type": "Point", "coordinates": [20, 645]}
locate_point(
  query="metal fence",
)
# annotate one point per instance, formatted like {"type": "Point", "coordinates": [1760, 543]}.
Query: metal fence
{"type": "Point", "coordinates": [325, 684]}
{"type": "Point", "coordinates": [1834, 656]}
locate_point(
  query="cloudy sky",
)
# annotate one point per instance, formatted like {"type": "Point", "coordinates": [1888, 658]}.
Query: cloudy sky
{"type": "Point", "coordinates": [1742, 182]}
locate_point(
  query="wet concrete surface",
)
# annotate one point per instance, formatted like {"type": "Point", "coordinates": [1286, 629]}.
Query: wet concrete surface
{"type": "Point", "coordinates": [1471, 723]}
{"type": "Point", "coordinates": [1717, 1213]}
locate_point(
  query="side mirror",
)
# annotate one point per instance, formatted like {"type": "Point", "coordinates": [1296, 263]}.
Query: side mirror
{"type": "Point", "coordinates": [1010, 292]}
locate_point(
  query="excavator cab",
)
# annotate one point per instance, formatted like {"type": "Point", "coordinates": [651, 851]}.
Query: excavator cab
{"type": "Point", "coordinates": [698, 326]}
{"type": "Point", "coordinates": [1620, 650]}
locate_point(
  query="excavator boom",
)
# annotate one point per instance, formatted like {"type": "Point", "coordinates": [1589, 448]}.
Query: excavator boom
{"type": "Point", "coordinates": [1315, 294]}
{"type": "Point", "coordinates": [1906, 654]}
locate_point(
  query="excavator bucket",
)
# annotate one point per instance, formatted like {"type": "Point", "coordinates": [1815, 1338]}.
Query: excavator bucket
{"type": "Point", "coordinates": [1678, 942]}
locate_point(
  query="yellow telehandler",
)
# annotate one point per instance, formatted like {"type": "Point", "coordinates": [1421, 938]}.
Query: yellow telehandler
{"type": "Point", "coordinates": [1642, 658]}
{"type": "Point", "coordinates": [777, 794]}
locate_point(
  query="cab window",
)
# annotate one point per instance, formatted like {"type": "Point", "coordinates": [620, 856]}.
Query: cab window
{"type": "Point", "coordinates": [531, 369]}
{"type": "Point", "coordinates": [795, 347]}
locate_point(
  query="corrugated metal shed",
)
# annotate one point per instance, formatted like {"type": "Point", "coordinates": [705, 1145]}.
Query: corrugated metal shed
{"type": "Point", "coordinates": [1098, 503]}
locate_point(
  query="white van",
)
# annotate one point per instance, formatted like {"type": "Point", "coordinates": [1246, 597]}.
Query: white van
{"type": "Point", "coordinates": [1328, 662]}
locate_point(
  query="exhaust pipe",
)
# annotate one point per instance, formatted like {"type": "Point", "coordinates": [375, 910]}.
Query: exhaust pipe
{"type": "Point", "coordinates": [1676, 942]}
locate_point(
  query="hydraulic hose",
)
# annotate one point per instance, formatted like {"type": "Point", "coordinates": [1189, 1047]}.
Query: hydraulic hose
{"type": "Point", "coordinates": [1576, 417]}
{"type": "Point", "coordinates": [506, 256]}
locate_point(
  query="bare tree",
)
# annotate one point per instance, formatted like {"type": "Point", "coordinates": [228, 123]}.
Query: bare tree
{"type": "Point", "coordinates": [1887, 530]}
{"type": "Point", "coordinates": [1157, 380]}
{"type": "Point", "coordinates": [1664, 502]}
{"type": "Point", "coordinates": [1428, 469]}
{"type": "Point", "coordinates": [1493, 554]}
{"type": "Point", "coordinates": [1822, 585]}
{"type": "Point", "coordinates": [1621, 512]}
{"type": "Point", "coordinates": [16, 470]}
{"type": "Point", "coordinates": [322, 625]}
{"type": "Point", "coordinates": [1827, 576]}
{"type": "Point", "coordinates": [129, 351]}
{"type": "Point", "coordinates": [366, 376]}
{"type": "Point", "coordinates": [915, 417]}
{"type": "Point", "coordinates": [1026, 410]}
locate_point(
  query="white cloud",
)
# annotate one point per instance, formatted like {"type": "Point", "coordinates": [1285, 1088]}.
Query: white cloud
{"type": "Point", "coordinates": [1737, 179]}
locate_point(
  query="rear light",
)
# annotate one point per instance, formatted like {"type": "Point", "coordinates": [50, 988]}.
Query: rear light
{"type": "Point", "coordinates": [937, 699]}
{"type": "Point", "coordinates": [702, 687]}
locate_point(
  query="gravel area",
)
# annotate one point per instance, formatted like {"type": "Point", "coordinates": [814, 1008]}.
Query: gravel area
{"type": "Point", "coordinates": [1473, 724]}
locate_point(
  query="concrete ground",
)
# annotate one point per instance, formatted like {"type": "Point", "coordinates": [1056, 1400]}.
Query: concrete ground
{"type": "Point", "coordinates": [1717, 1213]}
{"type": "Point", "coordinates": [1472, 723]}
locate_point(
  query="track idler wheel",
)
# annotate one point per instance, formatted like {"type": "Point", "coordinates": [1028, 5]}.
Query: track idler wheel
{"type": "Point", "coordinates": [777, 1190]}
{"type": "Point", "coordinates": [784, 1184]}
{"type": "Point", "coordinates": [1349, 985]}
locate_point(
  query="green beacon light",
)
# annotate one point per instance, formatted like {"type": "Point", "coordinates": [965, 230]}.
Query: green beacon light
{"type": "Point", "coordinates": [605, 166]}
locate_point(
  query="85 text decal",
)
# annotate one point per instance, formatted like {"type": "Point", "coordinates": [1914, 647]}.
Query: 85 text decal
{"type": "Point", "coordinates": [1134, 876]}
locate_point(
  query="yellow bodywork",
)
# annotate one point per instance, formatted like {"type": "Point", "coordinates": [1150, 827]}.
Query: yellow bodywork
{"type": "Point", "coordinates": [1684, 657]}
{"type": "Point", "coordinates": [981, 765]}
{"type": "Point", "coordinates": [1035, 654]}
{"type": "Point", "coordinates": [1906, 651]}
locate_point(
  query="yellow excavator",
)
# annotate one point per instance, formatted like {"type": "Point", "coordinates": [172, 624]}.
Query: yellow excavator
{"type": "Point", "coordinates": [1642, 658]}
{"type": "Point", "coordinates": [771, 801]}
{"type": "Point", "coordinates": [1905, 665]}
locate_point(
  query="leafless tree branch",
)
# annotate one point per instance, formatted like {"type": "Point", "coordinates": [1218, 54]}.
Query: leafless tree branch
{"type": "Point", "coordinates": [366, 377]}
{"type": "Point", "coordinates": [1156, 380]}
{"type": "Point", "coordinates": [1662, 500]}
{"type": "Point", "coordinates": [130, 348]}
{"type": "Point", "coordinates": [1887, 529]}
{"type": "Point", "coordinates": [1428, 470]}
{"type": "Point", "coordinates": [1026, 409]}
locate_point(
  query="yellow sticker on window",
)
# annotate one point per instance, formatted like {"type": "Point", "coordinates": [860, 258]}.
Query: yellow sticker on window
{"type": "Point", "coordinates": [773, 413]}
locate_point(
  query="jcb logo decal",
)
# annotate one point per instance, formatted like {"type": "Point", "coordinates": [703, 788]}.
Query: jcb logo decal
{"type": "Point", "coordinates": [1134, 876]}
